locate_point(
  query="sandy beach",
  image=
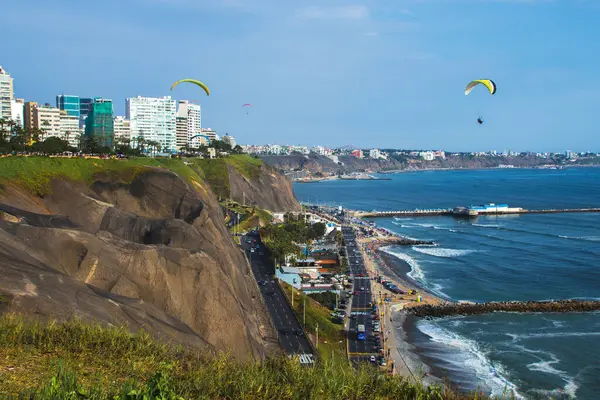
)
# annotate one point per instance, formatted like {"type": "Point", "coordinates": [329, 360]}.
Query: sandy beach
{"type": "Point", "coordinates": [402, 357]}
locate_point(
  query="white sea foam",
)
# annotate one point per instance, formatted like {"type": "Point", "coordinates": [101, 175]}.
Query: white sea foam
{"type": "Point", "coordinates": [415, 269]}
{"type": "Point", "coordinates": [585, 238]}
{"type": "Point", "coordinates": [441, 252]}
{"type": "Point", "coordinates": [516, 337]}
{"type": "Point", "coordinates": [547, 366]}
{"type": "Point", "coordinates": [467, 354]}
{"type": "Point", "coordinates": [487, 225]}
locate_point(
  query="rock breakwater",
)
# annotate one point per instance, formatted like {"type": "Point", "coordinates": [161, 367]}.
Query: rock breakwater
{"type": "Point", "coordinates": [554, 306]}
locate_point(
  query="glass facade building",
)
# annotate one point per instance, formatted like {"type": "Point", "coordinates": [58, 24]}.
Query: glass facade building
{"type": "Point", "coordinates": [99, 122]}
{"type": "Point", "coordinates": [85, 106]}
{"type": "Point", "coordinates": [70, 104]}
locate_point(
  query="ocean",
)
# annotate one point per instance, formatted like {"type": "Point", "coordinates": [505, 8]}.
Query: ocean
{"type": "Point", "coordinates": [494, 258]}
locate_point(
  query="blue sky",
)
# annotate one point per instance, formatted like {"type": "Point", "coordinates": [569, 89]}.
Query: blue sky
{"type": "Point", "coordinates": [368, 73]}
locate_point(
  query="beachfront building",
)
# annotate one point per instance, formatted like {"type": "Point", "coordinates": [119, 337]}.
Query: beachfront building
{"type": "Point", "coordinates": [69, 128]}
{"type": "Point", "coordinates": [17, 109]}
{"type": "Point", "coordinates": [122, 128]}
{"type": "Point", "coordinates": [230, 140]}
{"type": "Point", "coordinates": [375, 153]}
{"type": "Point", "coordinates": [6, 94]}
{"type": "Point", "coordinates": [181, 130]}
{"type": "Point", "coordinates": [47, 119]}
{"type": "Point", "coordinates": [153, 119]}
{"type": "Point", "coordinates": [85, 107]}
{"type": "Point", "coordinates": [189, 118]}
{"type": "Point", "coordinates": [28, 109]}
{"type": "Point", "coordinates": [99, 122]}
{"type": "Point", "coordinates": [68, 103]}
{"type": "Point", "coordinates": [427, 155]}
{"type": "Point", "coordinates": [357, 153]}
{"type": "Point", "coordinates": [209, 133]}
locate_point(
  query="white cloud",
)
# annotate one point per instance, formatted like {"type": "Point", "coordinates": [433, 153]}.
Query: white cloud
{"type": "Point", "coordinates": [349, 12]}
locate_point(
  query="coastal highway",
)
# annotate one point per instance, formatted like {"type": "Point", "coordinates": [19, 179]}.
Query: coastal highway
{"type": "Point", "coordinates": [289, 331]}
{"type": "Point", "coordinates": [360, 310]}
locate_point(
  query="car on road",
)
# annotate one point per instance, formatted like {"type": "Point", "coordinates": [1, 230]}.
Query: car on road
{"type": "Point", "coordinates": [299, 332]}
{"type": "Point", "coordinates": [262, 283]}
{"type": "Point", "coordinates": [362, 288]}
{"type": "Point", "coordinates": [373, 359]}
{"type": "Point", "coordinates": [355, 292]}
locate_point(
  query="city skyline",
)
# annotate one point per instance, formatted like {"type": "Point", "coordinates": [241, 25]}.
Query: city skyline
{"type": "Point", "coordinates": [371, 75]}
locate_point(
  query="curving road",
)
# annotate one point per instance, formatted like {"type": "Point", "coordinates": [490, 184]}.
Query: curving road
{"type": "Point", "coordinates": [361, 310]}
{"type": "Point", "coordinates": [288, 328]}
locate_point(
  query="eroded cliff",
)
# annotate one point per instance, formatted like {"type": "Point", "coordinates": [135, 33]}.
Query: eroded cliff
{"type": "Point", "coordinates": [147, 248]}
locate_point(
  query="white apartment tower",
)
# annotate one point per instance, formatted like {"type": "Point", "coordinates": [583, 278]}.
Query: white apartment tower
{"type": "Point", "coordinates": [122, 128]}
{"type": "Point", "coordinates": [69, 128]}
{"type": "Point", "coordinates": [47, 119]}
{"type": "Point", "coordinates": [192, 113]}
{"type": "Point", "coordinates": [230, 140]}
{"type": "Point", "coordinates": [153, 119]}
{"type": "Point", "coordinates": [17, 111]}
{"type": "Point", "coordinates": [6, 94]}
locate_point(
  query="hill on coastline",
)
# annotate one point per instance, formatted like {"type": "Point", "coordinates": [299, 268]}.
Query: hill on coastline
{"type": "Point", "coordinates": [139, 243]}
{"type": "Point", "coordinates": [315, 164]}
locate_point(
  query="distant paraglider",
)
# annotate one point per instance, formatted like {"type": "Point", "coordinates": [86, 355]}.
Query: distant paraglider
{"type": "Point", "coordinates": [247, 105]}
{"type": "Point", "coordinates": [194, 81]}
{"type": "Point", "coordinates": [488, 83]}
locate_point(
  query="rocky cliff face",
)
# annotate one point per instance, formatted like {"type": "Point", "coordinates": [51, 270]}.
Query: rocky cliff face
{"type": "Point", "coordinates": [152, 253]}
{"type": "Point", "coordinates": [278, 197]}
{"type": "Point", "coordinates": [314, 163]}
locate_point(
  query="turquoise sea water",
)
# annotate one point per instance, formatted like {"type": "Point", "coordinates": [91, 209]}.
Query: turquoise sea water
{"type": "Point", "coordinates": [526, 257]}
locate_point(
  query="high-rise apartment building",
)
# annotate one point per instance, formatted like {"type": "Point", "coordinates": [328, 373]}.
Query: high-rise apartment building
{"type": "Point", "coordinates": [69, 128]}
{"type": "Point", "coordinates": [193, 116]}
{"type": "Point", "coordinates": [229, 140]}
{"type": "Point", "coordinates": [69, 103]}
{"type": "Point", "coordinates": [122, 128]}
{"type": "Point", "coordinates": [99, 122]}
{"type": "Point", "coordinates": [47, 119]}
{"type": "Point", "coordinates": [181, 129]}
{"type": "Point", "coordinates": [6, 94]}
{"type": "Point", "coordinates": [85, 107]}
{"type": "Point", "coordinates": [17, 110]}
{"type": "Point", "coordinates": [211, 134]}
{"type": "Point", "coordinates": [28, 109]}
{"type": "Point", "coordinates": [154, 119]}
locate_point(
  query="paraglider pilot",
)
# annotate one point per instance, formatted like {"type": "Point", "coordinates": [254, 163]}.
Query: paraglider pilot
{"type": "Point", "coordinates": [480, 120]}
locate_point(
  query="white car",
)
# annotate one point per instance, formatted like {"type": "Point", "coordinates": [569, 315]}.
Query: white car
{"type": "Point", "coordinates": [373, 359]}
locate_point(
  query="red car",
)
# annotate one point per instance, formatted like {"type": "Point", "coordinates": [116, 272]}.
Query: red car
{"type": "Point", "coordinates": [355, 292]}
{"type": "Point", "coordinates": [361, 275]}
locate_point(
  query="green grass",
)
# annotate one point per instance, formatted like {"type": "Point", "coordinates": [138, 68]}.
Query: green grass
{"type": "Point", "coordinates": [74, 360]}
{"type": "Point", "coordinates": [36, 173]}
{"type": "Point", "coordinates": [331, 338]}
{"type": "Point", "coordinates": [216, 174]}
{"type": "Point", "coordinates": [245, 165]}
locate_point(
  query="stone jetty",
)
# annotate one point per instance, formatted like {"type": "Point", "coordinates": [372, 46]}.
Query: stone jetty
{"type": "Point", "coordinates": [554, 306]}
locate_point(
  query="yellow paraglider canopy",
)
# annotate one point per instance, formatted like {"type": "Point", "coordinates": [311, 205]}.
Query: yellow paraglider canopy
{"type": "Point", "coordinates": [488, 83]}
{"type": "Point", "coordinates": [194, 81]}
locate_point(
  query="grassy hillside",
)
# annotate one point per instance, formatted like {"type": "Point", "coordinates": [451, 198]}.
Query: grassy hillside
{"type": "Point", "coordinates": [78, 361]}
{"type": "Point", "coordinates": [331, 339]}
{"type": "Point", "coordinates": [36, 173]}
